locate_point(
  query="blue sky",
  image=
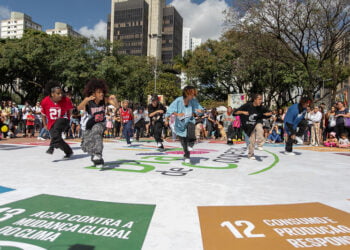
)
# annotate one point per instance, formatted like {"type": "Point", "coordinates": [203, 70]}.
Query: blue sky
{"type": "Point", "coordinates": [89, 13]}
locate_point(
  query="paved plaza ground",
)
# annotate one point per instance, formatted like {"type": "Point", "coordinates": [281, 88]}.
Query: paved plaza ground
{"type": "Point", "coordinates": [162, 203]}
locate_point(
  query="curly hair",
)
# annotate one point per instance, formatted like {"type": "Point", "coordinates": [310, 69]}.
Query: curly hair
{"type": "Point", "coordinates": [94, 84]}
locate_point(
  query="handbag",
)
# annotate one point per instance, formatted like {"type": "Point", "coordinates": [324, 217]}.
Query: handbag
{"type": "Point", "coordinates": [347, 122]}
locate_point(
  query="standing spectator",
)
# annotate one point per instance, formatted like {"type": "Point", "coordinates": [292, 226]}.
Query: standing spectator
{"type": "Point", "coordinates": [126, 116]}
{"type": "Point", "coordinates": [295, 119]}
{"type": "Point", "coordinates": [75, 123]}
{"type": "Point", "coordinates": [307, 132]}
{"type": "Point", "coordinates": [212, 124]}
{"type": "Point", "coordinates": [331, 121]}
{"type": "Point", "coordinates": [228, 119]}
{"type": "Point", "coordinates": [14, 119]}
{"type": "Point", "coordinates": [237, 130]}
{"type": "Point", "coordinates": [38, 119]}
{"type": "Point", "coordinates": [139, 122]}
{"type": "Point", "coordinates": [316, 118]}
{"type": "Point", "coordinates": [117, 123]}
{"type": "Point", "coordinates": [30, 123]}
{"type": "Point", "coordinates": [340, 115]}
{"type": "Point", "coordinates": [25, 110]}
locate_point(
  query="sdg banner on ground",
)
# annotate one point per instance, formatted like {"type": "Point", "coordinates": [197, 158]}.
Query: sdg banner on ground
{"type": "Point", "coordinates": [5, 189]}
{"type": "Point", "coordinates": [275, 227]}
{"type": "Point", "coordinates": [54, 222]}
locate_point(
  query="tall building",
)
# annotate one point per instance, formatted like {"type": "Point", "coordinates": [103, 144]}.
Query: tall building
{"type": "Point", "coordinates": [15, 26]}
{"type": "Point", "coordinates": [63, 29]}
{"type": "Point", "coordinates": [195, 42]}
{"type": "Point", "coordinates": [144, 26]}
{"type": "Point", "coordinates": [129, 24]}
{"type": "Point", "coordinates": [172, 34]}
{"type": "Point", "coordinates": [155, 24]}
{"type": "Point", "coordinates": [186, 40]}
{"type": "Point", "coordinates": [189, 42]}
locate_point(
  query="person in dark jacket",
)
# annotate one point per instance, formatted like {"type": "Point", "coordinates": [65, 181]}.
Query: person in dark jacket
{"type": "Point", "coordinates": [295, 124]}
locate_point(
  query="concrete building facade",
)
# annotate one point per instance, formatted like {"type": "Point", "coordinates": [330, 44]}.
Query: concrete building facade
{"type": "Point", "coordinates": [63, 29]}
{"type": "Point", "coordinates": [15, 26]}
{"type": "Point", "coordinates": [129, 24]}
{"type": "Point", "coordinates": [186, 39]}
{"type": "Point", "coordinates": [171, 35]}
{"type": "Point", "coordinates": [195, 42]}
{"type": "Point", "coordinates": [143, 26]}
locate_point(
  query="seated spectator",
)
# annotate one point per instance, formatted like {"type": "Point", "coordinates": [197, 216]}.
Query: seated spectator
{"type": "Point", "coordinates": [331, 140]}
{"type": "Point", "coordinates": [344, 141]}
{"type": "Point", "coordinates": [275, 134]}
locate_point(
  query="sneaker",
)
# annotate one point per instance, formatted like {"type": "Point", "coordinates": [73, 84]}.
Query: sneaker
{"type": "Point", "coordinates": [260, 148]}
{"type": "Point", "coordinates": [187, 160]}
{"type": "Point", "coordinates": [42, 139]}
{"type": "Point", "coordinates": [67, 156]}
{"type": "Point", "coordinates": [129, 145]}
{"type": "Point", "coordinates": [50, 151]}
{"type": "Point", "coordinates": [289, 153]}
{"type": "Point", "coordinates": [299, 140]}
{"type": "Point", "coordinates": [190, 148]}
{"type": "Point", "coordinates": [160, 145]}
{"type": "Point", "coordinates": [251, 157]}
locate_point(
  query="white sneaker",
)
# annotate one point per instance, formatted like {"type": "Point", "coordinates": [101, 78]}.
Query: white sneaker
{"type": "Point", "coordinates": [43, 139]}
{"type": "Point", "coordinates": [260, 148]}
{"type": "Point", "coordinates": [159, 144]}
{"type": "Point", "coordinates": [251, 157]}
{"type": "Point", "coordinates": [187, 160]}
{"type": "Point", "coordinates": [63, 136]}
{"type": "Point", "coordinates": [131, 139]}
{"type": "Point", "coordinates": [129, 145]}
{"type": "Point", "coordinates": [289, 153]}
{"type": "Point", "coordinates": [190, 149]}
{"type": "Point", "coordinates": [299, 140]}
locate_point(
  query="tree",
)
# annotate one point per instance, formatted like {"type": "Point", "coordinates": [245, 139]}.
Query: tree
{"type": "Point", "coordinates": [311, 30]}
{"type": "Point", "coordinates": [168, 85]}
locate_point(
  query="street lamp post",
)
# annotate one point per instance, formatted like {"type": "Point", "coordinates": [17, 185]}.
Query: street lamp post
{"type": "Point", "coordinates": [157, 37]}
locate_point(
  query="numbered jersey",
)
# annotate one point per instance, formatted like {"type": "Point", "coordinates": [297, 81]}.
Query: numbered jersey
{"type": "Point", "coordinates": [54, 111]}
{"type": "Point", "coordinates": [125, 114]}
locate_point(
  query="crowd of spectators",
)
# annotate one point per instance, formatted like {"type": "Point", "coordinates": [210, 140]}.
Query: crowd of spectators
{"type": "Point", "coordinates": [324, 124]}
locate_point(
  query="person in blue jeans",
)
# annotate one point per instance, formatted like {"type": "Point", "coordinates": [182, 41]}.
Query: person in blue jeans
{"type": "Point", "coordinates": [127, 118]}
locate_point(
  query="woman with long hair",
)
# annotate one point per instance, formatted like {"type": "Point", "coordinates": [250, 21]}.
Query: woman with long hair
{"type": "Point", "coordinates": [184, 108]}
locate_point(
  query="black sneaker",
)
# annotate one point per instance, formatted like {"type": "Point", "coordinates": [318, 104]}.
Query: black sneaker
{"type": "Point", "coordinates": [67, 156]}
{"type": "Point", "coordinates": [50, 151]}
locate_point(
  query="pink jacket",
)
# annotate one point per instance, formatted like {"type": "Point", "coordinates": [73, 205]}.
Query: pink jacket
{"type": "Point", "coordinates": [237, 122]}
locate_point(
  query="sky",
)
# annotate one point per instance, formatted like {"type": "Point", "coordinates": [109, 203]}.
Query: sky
{"type": "Point", "coordinates": [89, 17]}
